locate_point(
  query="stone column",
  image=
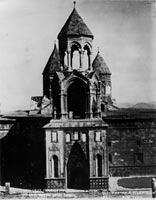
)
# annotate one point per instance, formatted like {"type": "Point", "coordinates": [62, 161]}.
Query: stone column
{"type": "Point", "coordinates": [81, 52]}
{"type": "Point", "coordinates": [90, 103]}
{"type": "Point", "coordinates": [99, 99]}
{"type": "Point", "coordinates": [50, 94]}
{"type": "Point", "coordinates": [63, 105]}
{"type": "Point", "coordinates": [47, 154]}
{"type": "Point", "coordinates": [89, 60]}
{"type": "Point", "coordinates": [69, 59]}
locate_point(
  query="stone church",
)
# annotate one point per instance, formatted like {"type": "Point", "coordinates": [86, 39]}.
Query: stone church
{"type": "Point", "coordinates": [75, 137]}
{"type": "Point", "coordinates": [76, 153]}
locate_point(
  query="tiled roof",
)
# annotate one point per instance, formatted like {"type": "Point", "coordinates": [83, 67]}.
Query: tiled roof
{"type": "Point", "coordinates": [75, 26]}
{"type": "Point", "coordinates": [53, 63]}
{"type": "Point", "coordinates": [100, 66]}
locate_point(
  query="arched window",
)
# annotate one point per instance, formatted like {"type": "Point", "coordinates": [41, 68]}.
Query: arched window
{"type": "Point", "coordinates": [67, 137]}
{"type": "Point", "coordinates": [98, 165]}
{"type": "Point", "coordinates": [84, 137]}
{"type": "Point", "coordinates": [55, 166]}
{"type": "Point", "coordinates": [87, 61]}
{"type": "Point", "coordinates": [76, 135]}
{"type": "Point", "coordinates": [97, 137]}
{"type": "Point", "coordinates": [75, 55]}
{"type": "Point", "coordinates": [76, 60]}
{"type": "Point", "coordinates": [108, 89]}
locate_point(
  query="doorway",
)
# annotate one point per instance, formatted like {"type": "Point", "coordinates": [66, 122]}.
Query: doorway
{"type": "Point", "coordinates": [77, 169]}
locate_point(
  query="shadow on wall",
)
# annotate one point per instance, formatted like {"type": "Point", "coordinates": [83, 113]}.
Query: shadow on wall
{"type": "Point", "coordinates": [135, 182]}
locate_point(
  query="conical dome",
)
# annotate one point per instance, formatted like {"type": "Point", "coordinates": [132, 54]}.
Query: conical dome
{"type": "Point", "coordinates": [75, 26]}
{"type": "Point", "coordinates": [100, 66]}
{"type": "Point", "coordinates": [53, 63]}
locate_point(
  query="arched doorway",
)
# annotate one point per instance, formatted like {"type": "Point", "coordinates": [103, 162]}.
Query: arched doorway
{"type": "Point", "coordinates": [77, 169]}
{"type": "Point", "coordinates": [77, 99]}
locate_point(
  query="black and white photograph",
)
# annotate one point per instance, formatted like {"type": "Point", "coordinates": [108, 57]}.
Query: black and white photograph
{"type": "Point", "coordinates": [77, 99]}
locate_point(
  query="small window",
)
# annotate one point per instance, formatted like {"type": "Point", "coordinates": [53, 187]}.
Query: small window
{"type": "Point", "coordinates": [76, 135]}
{"type": "Point", "coordinates": [54, 137]}
{"type": "Point", "coordinates": [84, 137]}
{"type": "Point", "coordinates": [68, 137]}
{"type": "Point", "coordinates": [97, 136]}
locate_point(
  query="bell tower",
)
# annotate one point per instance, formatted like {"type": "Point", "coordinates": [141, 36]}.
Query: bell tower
{"type": "Point", "coordinates": [75, 43]}
{"type": "Point", "coordinates": [76, 150]}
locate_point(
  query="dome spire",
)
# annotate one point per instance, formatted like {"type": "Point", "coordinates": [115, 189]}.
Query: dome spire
{"type": "Point", "coordinates": [75, 26]}
{"type": "Point", "coordinates": [74, 2]}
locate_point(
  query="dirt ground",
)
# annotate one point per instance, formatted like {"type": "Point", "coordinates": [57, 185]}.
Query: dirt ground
{"type": "Point", "coordinates": [125, 187]}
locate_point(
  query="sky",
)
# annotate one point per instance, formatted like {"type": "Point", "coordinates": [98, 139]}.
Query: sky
{"type": "Point", "coordinates": [124, 31]}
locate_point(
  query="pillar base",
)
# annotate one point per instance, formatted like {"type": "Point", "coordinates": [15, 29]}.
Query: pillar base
{"type": "Point", "coordinates": [55, 183]}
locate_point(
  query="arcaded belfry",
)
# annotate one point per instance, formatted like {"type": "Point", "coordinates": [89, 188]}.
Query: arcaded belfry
{"type": "Point", "coordinates": [91, 84]}
{"type": "Point", "coordinates": [75, 36]}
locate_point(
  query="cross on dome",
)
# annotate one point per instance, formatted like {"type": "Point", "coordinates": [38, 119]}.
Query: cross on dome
{"type": "Point", "coordinates": [74, 2]}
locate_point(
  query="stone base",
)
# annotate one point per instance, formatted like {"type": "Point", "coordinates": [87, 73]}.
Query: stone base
{"type": "Point", "coordinates": [98, 183]}
{"type": "Point", "coordinates": [94, 183]}
{"type": "Point", "coordinates": [57, 183]}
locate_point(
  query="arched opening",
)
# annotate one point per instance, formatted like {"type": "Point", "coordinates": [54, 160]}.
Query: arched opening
{"type": "Point", "coordinates": [75, 56]}
{"type": "Point", "coordinates": [75, 61]}
{"type": "Point", "coordinates": [87, 60]}
{"type": "Point", "coordinates": [77, 99]}
{"type": "Point", "coordinates": [68, 137]}
{"type": "Point", "coordinates": [77, 169]}
{"type": "Point", "coordinates": [55, 166]}
{"type": "Point", "coordinates": [98, 165]}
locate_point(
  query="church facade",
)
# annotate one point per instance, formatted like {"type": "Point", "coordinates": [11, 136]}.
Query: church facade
{"type": "Point", "coordinates": [76, 150]}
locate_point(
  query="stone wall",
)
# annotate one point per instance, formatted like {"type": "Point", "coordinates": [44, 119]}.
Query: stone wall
{"type": "Point", "coordinates": [131, 143]}
{"type": "Point", "coordinates": [23, 153]}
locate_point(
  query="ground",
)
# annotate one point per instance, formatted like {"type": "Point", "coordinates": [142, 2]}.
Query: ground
{"type": "Point", "coordinates": [128, 187]}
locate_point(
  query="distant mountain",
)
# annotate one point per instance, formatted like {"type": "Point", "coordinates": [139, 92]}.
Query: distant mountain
{"type": "Point", "coordinates": [145, 105]}
{"type": "Point", "coordinates": [149, 105]}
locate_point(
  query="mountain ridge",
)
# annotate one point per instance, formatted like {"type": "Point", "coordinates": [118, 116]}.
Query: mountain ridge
{"type": "Point", "coordinates": [144, 105]}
